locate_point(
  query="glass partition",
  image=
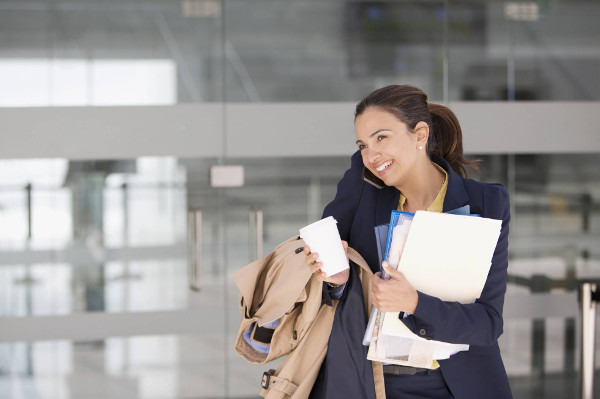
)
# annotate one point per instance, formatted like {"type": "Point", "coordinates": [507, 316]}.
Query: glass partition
{"type": "Point", "coordinates": [85, 242]}
{"type": "Point", "coordinates": [555, 53]}
{"type": "Point", "coordinates": [98, 53]}
{"type": "Point", "coordinates": [95, 53]}
{"type": "Point", "coordinates": [553, 247]}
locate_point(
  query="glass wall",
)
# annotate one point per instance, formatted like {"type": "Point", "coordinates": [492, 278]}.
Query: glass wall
{"type": "Point", "coordinates": [135, 261]}
{"type": "Point", "coordinates": [121, 269]}
{"type": "Point", "coordinates": [102, 52]}
{"type": "Point", "coordinates": [553, 248]}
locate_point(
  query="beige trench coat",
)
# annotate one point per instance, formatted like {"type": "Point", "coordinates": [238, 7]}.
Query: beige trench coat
{"type": "Point", "coordinates": [281, 286]}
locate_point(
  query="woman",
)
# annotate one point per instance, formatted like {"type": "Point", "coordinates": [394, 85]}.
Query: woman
{"type": "Point", "coordinates": [410, 158]}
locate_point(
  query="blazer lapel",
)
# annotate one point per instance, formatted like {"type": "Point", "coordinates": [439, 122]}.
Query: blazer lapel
{"type": "Point", "coordinates": [456, 195]}
{"type": "Point", "coordinates": [387, 201]}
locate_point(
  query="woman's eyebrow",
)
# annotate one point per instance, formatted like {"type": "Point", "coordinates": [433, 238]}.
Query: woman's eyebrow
{"type": "Point", "coordinates": [380, 130]}
{"type": "Point", "coordinates": [374, 133]}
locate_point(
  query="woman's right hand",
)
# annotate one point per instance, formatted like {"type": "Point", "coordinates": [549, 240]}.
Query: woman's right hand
{"type": "Point", "coordinates": [312, 260]}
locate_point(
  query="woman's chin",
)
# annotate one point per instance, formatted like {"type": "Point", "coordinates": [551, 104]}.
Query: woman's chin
{"type": "Point", "coordinates": [389, 180]}
{"type": "Point", "coordinates": [386, 181]}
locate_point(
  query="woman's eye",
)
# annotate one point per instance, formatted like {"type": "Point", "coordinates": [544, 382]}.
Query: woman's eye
{"type": "Point", "coordinates": [381, 137]}
{"type": "Point", "coordinates": [361, 147]}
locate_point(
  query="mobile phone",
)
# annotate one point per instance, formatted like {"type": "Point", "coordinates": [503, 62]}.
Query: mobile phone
{"type": "Point", "coordinates": [370, 178]}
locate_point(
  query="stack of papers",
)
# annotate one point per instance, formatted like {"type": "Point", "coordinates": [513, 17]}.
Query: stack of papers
{"type": "Point", "coordinates": [446, 255]}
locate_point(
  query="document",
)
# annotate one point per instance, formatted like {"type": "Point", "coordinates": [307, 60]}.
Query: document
{"type": "Point", "coordinates": [449, 256]}
{"type": "Point", "coordinates": [408, 349]}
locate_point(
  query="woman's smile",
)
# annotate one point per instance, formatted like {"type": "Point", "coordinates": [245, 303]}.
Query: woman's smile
{"type": "Point", "coordinates": [382, 168]}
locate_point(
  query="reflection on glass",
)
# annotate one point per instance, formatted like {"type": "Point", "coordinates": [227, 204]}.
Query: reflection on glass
{"type": "Point", "coordinates": [43, 83]}
{"type": "Point", "coordinates": [134, 368]}
{"type": "Point", "coordinates": [477, 51]}
{"type": "Point", "coordinates": [97, 53]}
{"type": "Point", "coordinates": [164, 52]}
{"type": "Point", "coordinates": [64, 223]}
{"type": "Point", "coordinates": [556, 54]}
{"type": "Point", "coordinates": [138, 261]}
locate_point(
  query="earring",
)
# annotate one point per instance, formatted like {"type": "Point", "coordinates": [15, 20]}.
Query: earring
{"type": "Point", "coordinates": [420, 147]}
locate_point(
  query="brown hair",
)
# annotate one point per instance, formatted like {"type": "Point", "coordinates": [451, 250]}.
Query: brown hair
{"type": "Point", "coordinates": [409, 105]}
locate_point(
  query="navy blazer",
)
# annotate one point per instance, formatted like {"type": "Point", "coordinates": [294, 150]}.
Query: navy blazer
{"type": "Point", "coordinates": [479, 373]}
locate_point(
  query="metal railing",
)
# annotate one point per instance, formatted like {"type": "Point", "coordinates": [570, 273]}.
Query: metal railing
{"type": "Point", "coordinates": [195, 248]}
{"type": "Point", "coordinates": [256, 233]}
{"type": "Point", "coordinates": [588, 296]}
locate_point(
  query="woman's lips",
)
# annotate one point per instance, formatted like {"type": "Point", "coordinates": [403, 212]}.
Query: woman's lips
{"type": "Point", "coordinates": [381, 169]}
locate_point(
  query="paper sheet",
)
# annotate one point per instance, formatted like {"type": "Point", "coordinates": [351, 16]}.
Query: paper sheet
{"type": "Point", "coordinates": [449, 256]}
{"type": "Point", "coordinates": [392, 326]}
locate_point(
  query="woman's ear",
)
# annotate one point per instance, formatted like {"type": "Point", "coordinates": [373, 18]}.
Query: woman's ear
{"type": "Point", "coordinates": [422, 132]}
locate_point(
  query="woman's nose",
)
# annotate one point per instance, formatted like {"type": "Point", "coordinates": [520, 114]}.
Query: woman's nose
{"type": "Point", "coordinates": [372, 156]}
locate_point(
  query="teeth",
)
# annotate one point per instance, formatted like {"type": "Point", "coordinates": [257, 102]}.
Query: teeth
{"type": "Point", "coordinates": [383, 166]}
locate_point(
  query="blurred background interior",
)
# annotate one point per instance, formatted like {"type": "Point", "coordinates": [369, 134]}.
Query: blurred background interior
{"type": "Point", "coordinates": [117, 249]}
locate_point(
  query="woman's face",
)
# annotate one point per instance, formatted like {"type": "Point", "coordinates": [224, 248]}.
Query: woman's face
{"type": "Point", "coordinates": [388, 148]}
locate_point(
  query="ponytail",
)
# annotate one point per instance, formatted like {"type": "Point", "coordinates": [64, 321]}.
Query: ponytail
{"type": "Point", "coordinates": [447, 139]}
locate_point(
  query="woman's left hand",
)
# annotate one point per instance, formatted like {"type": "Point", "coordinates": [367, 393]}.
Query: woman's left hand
{"type": "Point", "coordinates": [395, 294]}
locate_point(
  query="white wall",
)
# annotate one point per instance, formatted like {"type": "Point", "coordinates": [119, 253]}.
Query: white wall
{"type": "Point", "coordinates": [277, 129]}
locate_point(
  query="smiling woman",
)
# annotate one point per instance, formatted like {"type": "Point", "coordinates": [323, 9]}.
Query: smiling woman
{"type": "Point", "coordinates": [414, 151]}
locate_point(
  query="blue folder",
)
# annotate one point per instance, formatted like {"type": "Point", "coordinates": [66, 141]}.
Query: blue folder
{"type": "Point", "coordinates": [382, 232]}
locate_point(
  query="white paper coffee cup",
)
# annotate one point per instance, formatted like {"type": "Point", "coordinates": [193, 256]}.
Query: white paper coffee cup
{"type": "Point", "coordinates": [323, 238]}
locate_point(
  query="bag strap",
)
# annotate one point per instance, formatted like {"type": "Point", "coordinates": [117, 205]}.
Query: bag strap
{"type": "Point", "coordinates": [358, 259]}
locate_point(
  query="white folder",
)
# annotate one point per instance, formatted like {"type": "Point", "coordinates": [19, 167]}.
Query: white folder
{"type": "Point", "coordinates": [449, 256]}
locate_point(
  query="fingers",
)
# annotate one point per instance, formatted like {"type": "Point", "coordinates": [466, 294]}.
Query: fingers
{"type": "Point", "coordinates": [376, 282]}
{"type": "Point", "coordinates": [345, 246]}
{"type": "Point", "coordinates": [394, 273]}
{"type": "Point", "coordinates": [320, 275]}
{"type": "Point", "coordinates": [394, 294]}
{"type": "Point", "coordinates": [376, 294]}
{"type": "Point", "coordinates": [316, 267]}
{"type": "Point", "coordinates": [311, 260]}
{"type": "Point", "coordinates": [376, 289]}
{"type": "Point", "coordinates": [306, 250]}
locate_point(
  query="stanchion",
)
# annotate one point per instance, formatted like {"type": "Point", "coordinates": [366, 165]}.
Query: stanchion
{"type": "Point", "coordinates": [588, 298]}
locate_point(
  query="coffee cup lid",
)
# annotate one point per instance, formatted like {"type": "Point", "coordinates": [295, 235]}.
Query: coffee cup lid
{"type": "Point", "coordinates": [318, 223]}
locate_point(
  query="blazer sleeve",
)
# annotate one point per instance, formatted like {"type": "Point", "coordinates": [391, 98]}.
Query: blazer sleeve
{"type": "Point", "coordinates": [349, 190]}
{"type": "Point", "coordinates": [479, 323]}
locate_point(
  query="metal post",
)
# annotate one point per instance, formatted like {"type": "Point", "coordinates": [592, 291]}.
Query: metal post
{"type": "Point", "coordinates": [586, 211]}
{"type": "Point", "coordinates": [28, 199]}
{"type": "Point", "coordinates": [314, 200]}
{"type": "Point", "coordinates": [194, 248]}
{"type": "Point", "coordinates": [29, 281]}
{"type": "Point", "coordinates": [588, 297]}
{"type": "Point", "coordinates": [127, 275]}
{"type": "Point", "coordinates": [256, 233]}
{"type": "Point", "coordinates": [125, 205]}
{"type": "Point", "coordinates": [539, 284]}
